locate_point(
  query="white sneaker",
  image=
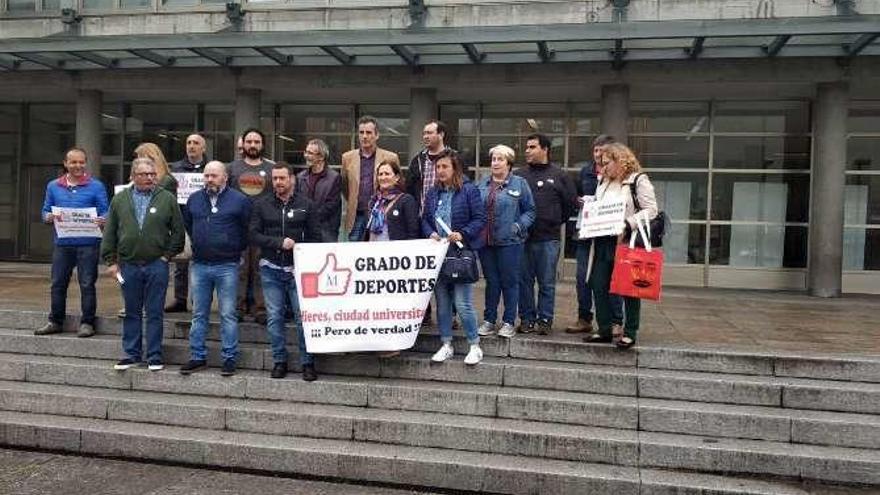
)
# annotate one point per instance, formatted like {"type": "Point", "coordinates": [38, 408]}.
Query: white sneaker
{"type": "Point", "coordinates": [443, 354]}
{"type": "Point", "coordinates": [507, 331]}
{"type": "Point", "coordinates": [486, 329]}
{"type": "Point", "coordinates": [156, 366]}
{"type": "Point", "coordinates": [474, 356]}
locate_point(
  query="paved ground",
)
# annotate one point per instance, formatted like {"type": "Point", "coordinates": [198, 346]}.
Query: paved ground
{"type": "Point", "coordinates": [38, 473]}
{"type": "Point", "coordinates": [715, 318]}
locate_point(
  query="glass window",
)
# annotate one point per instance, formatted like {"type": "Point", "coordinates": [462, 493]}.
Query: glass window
{"type": "Point", "coordinates": [862, 199]}
{"type": "Point", "coordinates": [166, 125]}
{"type": "Point", "coordinates": [678, 117]}
{"type": "Point", "coordinates": [864, 116]}
{"type": "Point", "coordinates": [863, 153]}
{"type": "Point", "coordinates": [134, 4]}
{"type": "Point", "coordinates": [9, 141]}
{"type": "Point", "coordinates": [671, 151]}
{"type": "Point", "coordinates": [52, 132]}
{"type": "Point", "coordinates": [393, 127]}
{"type": "Point", "coordinates": [51, 4]}
{"type": "Point", "coordinates": [790, 117]}
{"type": "Point", "coordinates": [298, 123]}
{"type": "Point", "coordinates": [21, 5]}
{"type": "Point", "coordinates": [775, 198]}
{"type": "Point", "coordinates": [683, 195]}
{"type": "Point", "coordinates": [585, 119]}
{"type": "Point", "coordinates": [789, 152]}
{"type": "Point", "coordinates": [770, 246]}
{"type": "Point", "coordinates": [685, 244]}
{"type": "Point", "coordinates": [523, 119]}
{"type": "Point", "coordinates": [99, 4]}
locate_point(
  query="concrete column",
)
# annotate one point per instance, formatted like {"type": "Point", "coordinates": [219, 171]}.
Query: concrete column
{"type": "Point", "coordinates": [827, 188]}
{"type": "Point", "coordinates": [88, 127]}
{"type": "Point", "coordinates": [422, 107]}
{"type": "Point", "coordinates": [247, 111]}
{"type": "Point", "coordinates": [615, 111]}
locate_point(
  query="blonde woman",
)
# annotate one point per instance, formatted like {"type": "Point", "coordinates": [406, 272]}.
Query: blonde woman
{"type": "Point", "coordinates": [620, 171]}
{"type": "Point", "coordinates": [163, 173]}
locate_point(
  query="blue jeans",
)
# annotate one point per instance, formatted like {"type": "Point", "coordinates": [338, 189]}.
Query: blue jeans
{"type": "Point", "coordinates": [144, 291]}
{"type": "Point", "coordinates": [538, 263]}
{"type": "Point", "coordinates": [359, 227]}
{"type": "Point", "coordinates": [501, 266]}
{"type": "Point", "coordinates": [205, 278]}
{"type": "Point", "coordinates": [462, 297]}
{"type": "Point", "coordinates": [279, 288]}
{"type": "Point", "coordinates": [584, 292]}
{"type": "Point", "coordinates": [64, 260]}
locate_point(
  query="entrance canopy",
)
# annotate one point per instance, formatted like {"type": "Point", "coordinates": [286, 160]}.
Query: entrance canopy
{"type": "Point", "coordinates": [613, 42]}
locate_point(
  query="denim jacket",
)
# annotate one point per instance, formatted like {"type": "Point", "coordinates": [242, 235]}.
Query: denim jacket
{"type": "Point", "coordinates": [514, 210]}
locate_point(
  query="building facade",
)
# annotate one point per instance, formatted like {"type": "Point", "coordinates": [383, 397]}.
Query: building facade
{"type": "Point", "coordinates": [758, 120]}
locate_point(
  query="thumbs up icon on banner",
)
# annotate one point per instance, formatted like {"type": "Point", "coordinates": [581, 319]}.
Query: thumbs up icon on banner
{"type": "Point", "coordinates": [330, 281]}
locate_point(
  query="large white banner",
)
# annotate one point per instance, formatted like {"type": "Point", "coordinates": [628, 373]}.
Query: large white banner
{"type": "Point", "coordinates": [365, 296]}
{"type": "Point", "coordinates": [188, 183]}
{"type": "Point", "coordinates": [603, 217]}
{"type": "Point", "coordinates": [75, 222]}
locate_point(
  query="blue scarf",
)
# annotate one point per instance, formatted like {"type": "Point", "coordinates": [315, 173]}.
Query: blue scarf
{"type": "Point", "coordinates": [380, 203]}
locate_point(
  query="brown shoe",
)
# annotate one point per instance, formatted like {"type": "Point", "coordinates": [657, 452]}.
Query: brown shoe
{"type": "Point", "coordinates": [176, 307]}
{"type": "Point", "coordinates": [581, 326]}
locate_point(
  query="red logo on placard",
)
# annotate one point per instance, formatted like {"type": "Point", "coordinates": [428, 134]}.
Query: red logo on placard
{"type": "Point", "coordinates": [330, 281]}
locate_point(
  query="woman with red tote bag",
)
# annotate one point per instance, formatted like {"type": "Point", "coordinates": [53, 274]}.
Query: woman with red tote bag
{"type": "Point", "coordinates": [620, 170]}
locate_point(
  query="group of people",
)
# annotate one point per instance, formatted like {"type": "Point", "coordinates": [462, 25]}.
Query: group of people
{"type": "Point", "coordinates": [244, 223]}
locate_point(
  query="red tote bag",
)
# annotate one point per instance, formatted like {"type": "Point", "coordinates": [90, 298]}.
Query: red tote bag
{"type": "Point", "coordinates": [638, 272]}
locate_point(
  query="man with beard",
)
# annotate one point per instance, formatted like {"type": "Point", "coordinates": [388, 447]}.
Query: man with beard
{"type": "Point", "coordinates": [323, 186]}
{"type": "Point", "coordinates": [192, 163]}
{"type": "Point", "coordinates": [421, 167]}
{"type": "Point", "coordinates": [359, 176]}
{"type": "Point", "coordinates": [216, 219]}
{"type": "Point", "coordinates": [278, 222]}
{"type": "Point", "coordinates": [251, 175]}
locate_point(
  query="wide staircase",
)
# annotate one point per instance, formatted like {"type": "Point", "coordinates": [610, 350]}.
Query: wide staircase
{"type": "Point", "coordinates": [540, 415]}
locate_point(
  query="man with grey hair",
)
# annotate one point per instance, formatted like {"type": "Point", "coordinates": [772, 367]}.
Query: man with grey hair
{"type": "Point", "coordinates": [193, 163]}
{"type": "Point", "coordinates": [144, 231]}
{"type": "Point", "coordinates": [324, 187]}
{"type": "Point", "coordinates": [216, 219]}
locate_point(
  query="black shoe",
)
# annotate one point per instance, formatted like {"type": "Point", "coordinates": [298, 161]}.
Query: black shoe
{"type": "Point", "coordinates": [309, 373]}
{"type": "Point", "coordinates": [239, 315]}
{"type": "Point", "coordinates": [192, 366]}
{"type": "Point", "coordinates": [176, 307]}
{"type": "Point", "coordinates": [526, 327]}
{"type": "Point", "coordinates": [228, 368]}
{"type": "Point", "coordinates": [125, 364]}
{"type": "Point", "coordinates": [545, 327]}
{"type": "Point", "coordinates": [279, 370]}
{"type": "Point", "coordinates": [596, 338]}
{"type": "Point", "coordinates": [260, 318]}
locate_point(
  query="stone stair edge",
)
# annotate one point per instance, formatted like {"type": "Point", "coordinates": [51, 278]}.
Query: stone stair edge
{"type": "Point", "coordinates": [849, 367]}
{"type": "Point", "coordinates": [459, 469]}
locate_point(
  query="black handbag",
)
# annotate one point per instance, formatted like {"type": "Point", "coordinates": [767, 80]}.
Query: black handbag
{"type": "Point", "coordinates": [460, 266]}
{"type": "Point", "coordinates": [658, 225]}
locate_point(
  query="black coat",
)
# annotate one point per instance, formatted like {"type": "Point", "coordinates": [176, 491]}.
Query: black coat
{"type": "Point", "coordinates": [327, 196]}
{"type": "Point", "coordinates": [272, 221]}
{"type": "Point", "coordinates": [403, 219]}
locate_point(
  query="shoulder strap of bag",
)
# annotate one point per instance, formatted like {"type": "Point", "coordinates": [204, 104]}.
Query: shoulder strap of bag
{"type": "Point", "coordinates": [633, 186]}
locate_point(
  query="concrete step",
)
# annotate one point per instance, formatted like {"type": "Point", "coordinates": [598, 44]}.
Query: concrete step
{"type": "Point", "coordinates": [353, 460]}
{"type": "Point", "coordinates": [623, 413]}
{"type": "Point", "coordinates": [826, 395]}
{"type": "Point", "coordinates": [560, 347]}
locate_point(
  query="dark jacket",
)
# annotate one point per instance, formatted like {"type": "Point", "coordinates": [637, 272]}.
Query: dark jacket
{"type": "Point", "coordinates": [327, 196]}
{"type": "Point", "coordinates": [555, 197]}
{"type": "Point", "coordinates": [217, 237]}
{"type": "Point", "coordinates": [403, 219]}
{"type": "Point", "coordinates": [272, 221]}
{"type": "Point", "coordinates": [186, 167]}
{"type": "Point", "coordinates": [468, 215]}
{"type": "Point", "coordinates": [162, 233]}
{"type": "Point", "coordinates": [587, 179]}
{"type": "Point", "coordinates": [415, 174]}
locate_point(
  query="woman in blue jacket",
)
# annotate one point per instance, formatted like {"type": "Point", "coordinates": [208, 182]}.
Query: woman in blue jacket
{"type": "Point", "coordinates": [455, 202]}
{"type": "Point", "coordinates": [510, 211]}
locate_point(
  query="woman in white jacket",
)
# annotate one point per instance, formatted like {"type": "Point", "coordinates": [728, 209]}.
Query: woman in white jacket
{"type": "Point", "coordinates": [620, 170]}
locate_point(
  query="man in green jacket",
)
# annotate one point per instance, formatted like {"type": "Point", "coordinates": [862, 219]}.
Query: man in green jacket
{"type": "Point", "coordinates": [144, 231]}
